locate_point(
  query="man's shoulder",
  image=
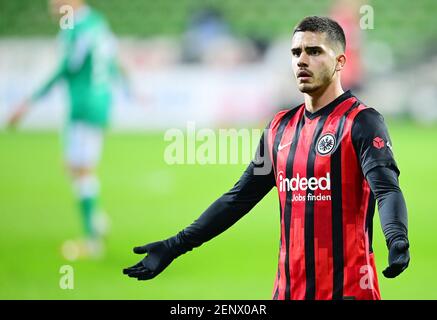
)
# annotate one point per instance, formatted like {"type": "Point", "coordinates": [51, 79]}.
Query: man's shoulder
{"type": "Point", "coordinates": [367, 115]}
{"type": "Point", "coordinates": [284, 114]}
{"type": "Point", "coordinates": [366, 122]}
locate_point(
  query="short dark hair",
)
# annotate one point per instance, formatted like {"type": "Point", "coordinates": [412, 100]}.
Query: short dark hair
{"type": "Point", "coordinates": [323, 24]}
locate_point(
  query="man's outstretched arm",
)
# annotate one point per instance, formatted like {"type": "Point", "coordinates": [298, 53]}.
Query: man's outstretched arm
{"type": "Point", "coordinates": [218, 217]}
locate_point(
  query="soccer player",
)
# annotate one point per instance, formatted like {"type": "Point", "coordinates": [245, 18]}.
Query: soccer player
{"type": "Point", "coordinates": [87, 66]}
{"type": "Point", "coordinates": [331, 157]}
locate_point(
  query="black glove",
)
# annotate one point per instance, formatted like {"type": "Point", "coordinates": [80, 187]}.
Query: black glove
{"type": "Point", "coordinates": [159, 255]}
{"type": "Point", "coordinates": [398, 258]}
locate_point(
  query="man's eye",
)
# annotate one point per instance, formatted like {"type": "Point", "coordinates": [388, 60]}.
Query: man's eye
{"type": "Point", "coordinates": [295, 53]}
{"type": "Point", "coordinates": [314, 52]}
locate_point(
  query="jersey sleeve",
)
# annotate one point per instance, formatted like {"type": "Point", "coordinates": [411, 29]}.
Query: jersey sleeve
{"type": "Point", "coordinates": [372, 142]}
{"type": "Point", "coordinates": [252, 186]}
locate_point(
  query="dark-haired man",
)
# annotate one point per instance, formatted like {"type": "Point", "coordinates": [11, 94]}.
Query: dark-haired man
{"type": "Point", "coordinates": [331, 157]}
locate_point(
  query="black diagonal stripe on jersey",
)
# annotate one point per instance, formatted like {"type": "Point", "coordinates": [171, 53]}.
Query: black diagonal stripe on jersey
{"type": "Point", "coordinates": [288, 206]}
{"type": "Point", "coordinates": [310, 267]}
{"type": "Point", "coordinates": [337, 211]}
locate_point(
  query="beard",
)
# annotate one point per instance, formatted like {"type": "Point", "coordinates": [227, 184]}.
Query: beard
{"type": "Point", "coordinates": [317, 84]}
{"type": "Point", "coordinates": [308, 87]}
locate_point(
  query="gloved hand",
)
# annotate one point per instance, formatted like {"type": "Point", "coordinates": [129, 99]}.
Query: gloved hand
{"type": "Point", "coordinates": [159, 255]}
{"type": "Point", "coordinates": [398, 258]}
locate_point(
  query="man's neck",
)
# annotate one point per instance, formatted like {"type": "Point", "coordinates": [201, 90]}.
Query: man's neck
{"type": "Point", "coordinates": [317, 100]}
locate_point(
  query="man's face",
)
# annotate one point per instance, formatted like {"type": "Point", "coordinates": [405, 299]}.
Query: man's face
{"type": "Point", "coordinates": [314, 60]}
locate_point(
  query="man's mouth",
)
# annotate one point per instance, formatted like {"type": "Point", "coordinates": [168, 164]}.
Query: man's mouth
{"type": "Point", "coordinates": [303, 74]}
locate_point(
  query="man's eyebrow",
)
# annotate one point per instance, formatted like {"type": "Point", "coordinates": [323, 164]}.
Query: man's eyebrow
{"type": "Point", "coordinates": [313, 47]}
{"type": "Point", "coordinates": [307, 48]}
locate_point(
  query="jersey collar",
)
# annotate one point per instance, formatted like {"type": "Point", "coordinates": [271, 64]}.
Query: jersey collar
{"type": "Point", "coordinates": [329, 107]}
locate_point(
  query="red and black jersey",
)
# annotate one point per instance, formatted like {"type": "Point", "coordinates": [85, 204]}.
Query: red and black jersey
{"type": "Point", "coordinates": [320, 161]}
{"type": "Point", "coordinates": [320, 164]}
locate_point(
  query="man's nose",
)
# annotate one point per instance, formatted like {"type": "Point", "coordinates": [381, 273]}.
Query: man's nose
{"type": "Point", "coordinates": [303, 60]}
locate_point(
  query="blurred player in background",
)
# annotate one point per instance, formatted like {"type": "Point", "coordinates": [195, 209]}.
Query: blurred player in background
{"type": "Point", "coordinates": [88, 66]}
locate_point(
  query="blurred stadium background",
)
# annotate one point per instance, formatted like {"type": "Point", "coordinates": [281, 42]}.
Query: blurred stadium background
{"type": "Point", "coordinates": [221, 64]}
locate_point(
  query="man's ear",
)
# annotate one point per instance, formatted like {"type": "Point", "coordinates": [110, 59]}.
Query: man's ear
{"type": "Point", "coordinates": [341, 61]}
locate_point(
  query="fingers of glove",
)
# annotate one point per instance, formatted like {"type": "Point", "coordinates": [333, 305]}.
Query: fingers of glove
{"type": "Point", "coordinates": [391, 272]}
{"type": "Point", "coordinates": [138, 272]}
{"type": "Point", "coordinates": [134, 270]}
{"type": "Point", "coordinates": [147, 276]}
{"type": "Point", "coordinates": [127, 270]}
{"type": "Point", "coordinates": [388, 273]}
{"type": "Point", "coordinates": [399, 258]}
{"type": "Point", "coordinates": [142, 274]}
{"type": "Point", "coordinates": [141, 249]}
{"type": "Point", "coordinates": [395, 269]}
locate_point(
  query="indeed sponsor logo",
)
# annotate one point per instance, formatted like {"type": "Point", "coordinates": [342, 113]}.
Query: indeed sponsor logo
{"type": "Point", "coordinates": [302, 183]}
